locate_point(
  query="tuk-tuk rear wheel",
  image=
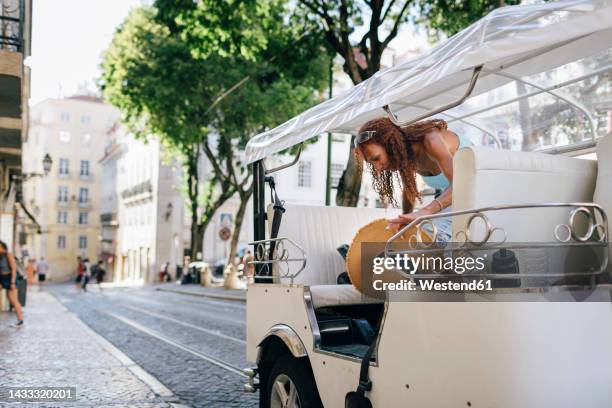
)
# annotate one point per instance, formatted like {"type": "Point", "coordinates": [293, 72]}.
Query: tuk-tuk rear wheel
{"type": "Point", "coordinates": [291, 385]}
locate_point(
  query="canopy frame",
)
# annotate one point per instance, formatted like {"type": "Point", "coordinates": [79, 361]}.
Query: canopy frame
{"type": "Point", "coordinates": [441, 109]}
{"type": "Point", "coordinates": [540, 90]}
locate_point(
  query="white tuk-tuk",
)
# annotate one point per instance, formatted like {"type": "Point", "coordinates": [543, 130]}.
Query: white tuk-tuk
{"type": "Point", "coordinates": [532, 84]}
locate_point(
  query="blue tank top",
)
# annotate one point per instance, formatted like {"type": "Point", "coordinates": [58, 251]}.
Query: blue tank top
{"type": "Point", "coordinates": [4, 265]}
{"type": "Point", "coordinates": [439, 181]}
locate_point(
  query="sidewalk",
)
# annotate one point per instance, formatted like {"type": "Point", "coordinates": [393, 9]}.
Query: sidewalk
{"type": "Point", "coordinates": [56, 349]}
{"type": "Point", "coordinates": [215, 292]}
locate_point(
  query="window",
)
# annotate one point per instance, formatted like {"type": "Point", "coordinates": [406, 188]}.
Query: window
{"type": "Point", "coordinates": [85, 139]}
{"type": "Point", "coordinates": [336, 172]}
{"type": "Point", "coordinates": [85, 168]}
{"type": "Point", "coordinates": [65, 117]}
{"type": "Point", "coordinates": [304, 174]}
{"type": "Point", "coordinates": [83, 218]}
{"type": "Point", "coordinates": [64, 168]}
{"type": "Point", "coordinates": [64, 136]}
{"type": "Point", "coordinates": [83, 195]}
{"type": "Point", "coordinates": [62, 194]}
{"type": "Point", "coordinates": [62, 217]}
{"type": "Point", "coordinates": [82, 242]}
{"type": "Point", "coordinates": [61, 242]}
{"type": "Point", "coordinates": [85, 119]}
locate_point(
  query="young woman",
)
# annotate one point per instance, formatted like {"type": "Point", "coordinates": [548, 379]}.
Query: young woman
{"type": "Point", "coordinates": [426, 148]}
{"type": "Point", "coordinates": [8, 280]}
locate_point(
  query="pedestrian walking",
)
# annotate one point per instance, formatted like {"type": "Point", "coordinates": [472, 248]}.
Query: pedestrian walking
{"type": "Point", "coordinates": [79, 271]}
{"type": "Point", "coordinates": [8, 281]}
{"type": "Point", "coordinates": [86, 274]}
{"type": "Point", "coordinates": [247, 261]}
{"type": "Point", "coordinates": [42, 268]}
{"type": "Point", "coordinates": [99, 273]}
{"type": "Point", "coordinates": [164, 272]}
{"type": "Point", "coordinates": [30, 269]}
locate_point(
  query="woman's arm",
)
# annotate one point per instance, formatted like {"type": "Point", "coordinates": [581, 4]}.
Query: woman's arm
{"type": "Point", "coordinates": [13, 266]}
{"type": "Point", "coordinates": [437, 150]}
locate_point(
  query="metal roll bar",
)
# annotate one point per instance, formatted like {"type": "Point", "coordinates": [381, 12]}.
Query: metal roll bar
{"type": "Point", "coordinates": [284, 166]}
{"type": "Point", "coordinates": [441, 109]}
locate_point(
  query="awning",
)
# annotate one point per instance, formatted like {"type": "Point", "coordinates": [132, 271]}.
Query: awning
{"type": "Point", "coordinates": [511, 42]}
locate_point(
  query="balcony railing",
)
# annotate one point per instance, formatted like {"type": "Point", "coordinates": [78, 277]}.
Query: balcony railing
{"type": "Point", "coordinates": [12, 17]}
{"type": "Point", "coordinates": [84, 203]}
{"type": "Point", "coordinates": [142, 188]}
{"type": "Point", "coordinates": [109, 219]}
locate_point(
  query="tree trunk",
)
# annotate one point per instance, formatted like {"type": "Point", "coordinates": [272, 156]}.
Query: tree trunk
{"type": "Point", "coordinates": [231, 280]}
{"type": "Point", "coordinates": [197, 237]}
{"type": "Point", "coordinates": [193, 179]}
{"type": "Point", "coordinates": [238, 218]}
{"type": "Point", "coordinates": [349, 185]}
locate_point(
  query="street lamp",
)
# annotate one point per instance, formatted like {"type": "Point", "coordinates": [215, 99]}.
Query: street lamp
{"type": "Point", "coordinates": [47, 164]}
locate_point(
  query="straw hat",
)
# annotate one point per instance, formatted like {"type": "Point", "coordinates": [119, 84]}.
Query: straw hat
{"type": "Point", "coordinates": [374, 232]}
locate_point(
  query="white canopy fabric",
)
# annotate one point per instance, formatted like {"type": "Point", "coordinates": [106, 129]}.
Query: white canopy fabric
{"type": "Point", "coordinates": [513, 41]}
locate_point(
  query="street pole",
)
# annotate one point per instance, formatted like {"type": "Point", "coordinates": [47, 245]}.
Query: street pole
{"type": "Point", "coordinates": [329, 139]}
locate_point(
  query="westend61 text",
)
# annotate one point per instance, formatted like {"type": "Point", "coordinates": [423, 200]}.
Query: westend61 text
{"type": "Point", "coordinates": [432, 285]}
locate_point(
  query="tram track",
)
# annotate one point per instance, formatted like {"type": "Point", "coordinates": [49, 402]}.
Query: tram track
{"type": "Point", "coordinates": [185, 324]}
{"type": "Point", "coordinates": [176, 344]}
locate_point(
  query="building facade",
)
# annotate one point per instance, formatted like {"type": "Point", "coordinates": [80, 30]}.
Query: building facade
{"type": "Point", "coordinates": [109, 205]}
{"type": "Point", "coordinates": [74, 132]}
{"type": "Point", "coordinates": [15, 42]}
{"type": "Point", "coordinates": [143, 222]}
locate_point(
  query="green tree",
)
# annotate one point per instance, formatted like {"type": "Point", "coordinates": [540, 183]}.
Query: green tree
{"type": "Point", "coordinates": [142, 70]}
{"type": "Point", "coordinates": [450, 17]}
{"type": "Point", "coordinates": [170, 70]}
{"type": "Point", "coordinates": [272, 72]}
{"type": "Point", "coordinates": [378, 23]}
{"type": "Point", "coordinates": [339, 20]}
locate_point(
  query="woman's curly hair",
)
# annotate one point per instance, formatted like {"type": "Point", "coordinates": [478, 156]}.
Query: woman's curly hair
{"type": "Point", "coordinates": [397, 142]}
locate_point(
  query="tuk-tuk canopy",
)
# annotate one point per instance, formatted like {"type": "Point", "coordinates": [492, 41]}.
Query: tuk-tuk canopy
{"type": "Point", "coordinates": [514, 53]}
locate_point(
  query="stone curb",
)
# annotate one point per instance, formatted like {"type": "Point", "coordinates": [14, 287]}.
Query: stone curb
{"type": "Point", "coordinates": [209, 295]}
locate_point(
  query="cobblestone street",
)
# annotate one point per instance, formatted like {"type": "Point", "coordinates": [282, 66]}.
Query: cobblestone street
{"type": "Point", "coordinates": [129, 347]}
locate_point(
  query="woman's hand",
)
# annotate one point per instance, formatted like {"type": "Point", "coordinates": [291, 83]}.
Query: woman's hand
{"type": "Point", "coordinates": [398, 222]}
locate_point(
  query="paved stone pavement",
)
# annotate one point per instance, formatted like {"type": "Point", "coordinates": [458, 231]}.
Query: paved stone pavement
{"type": "Point", "coordinates": [54, 348]}
{"type": "Point", "coordinates": [199, 330]}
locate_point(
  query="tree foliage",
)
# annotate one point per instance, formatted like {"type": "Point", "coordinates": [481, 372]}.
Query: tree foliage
{"type": "Point", "coordinates": [360, 31]}
{"type": "Point", "coordinates": [450, 17]}
{"type": "Point", "coordinates": [204, 77]}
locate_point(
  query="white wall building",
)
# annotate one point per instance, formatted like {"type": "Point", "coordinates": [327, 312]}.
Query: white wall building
{"type": "Point", "coordinates": [144, 222]}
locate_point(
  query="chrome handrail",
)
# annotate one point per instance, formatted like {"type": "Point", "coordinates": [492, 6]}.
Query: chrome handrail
{"type": "Point", "coordinates": [579, 240]}
{"type": "Point", "coordinates": [281, 255]}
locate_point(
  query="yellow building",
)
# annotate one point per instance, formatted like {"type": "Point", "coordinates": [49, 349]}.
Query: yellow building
{"type": "Point", "coordinates": [66, 203]}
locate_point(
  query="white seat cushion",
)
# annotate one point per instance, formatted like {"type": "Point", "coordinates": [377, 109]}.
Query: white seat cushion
{"type": "Point", "coordinates": [603, 189]}
{"type": "Point", "coordinates": [335, 295]}
{"type": "Point", "coordinates": [488, 177]}
{"type": "Point", "coordinates": [319, 231]}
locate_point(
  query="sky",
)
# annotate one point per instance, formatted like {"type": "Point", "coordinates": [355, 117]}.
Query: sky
{"type": "Point", "coordinates": [69, 37]}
